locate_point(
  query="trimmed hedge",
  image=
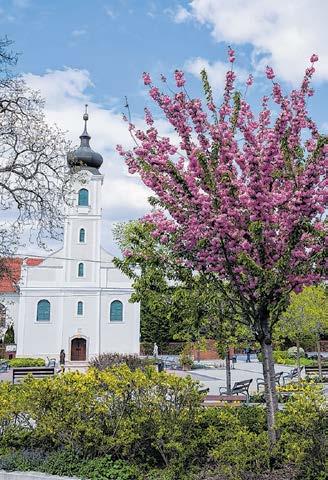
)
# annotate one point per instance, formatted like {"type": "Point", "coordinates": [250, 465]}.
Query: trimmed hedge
{"type": "Point", "coordinates": [282, 357]}
{"type": "Point", "coordinates": [26, 362]}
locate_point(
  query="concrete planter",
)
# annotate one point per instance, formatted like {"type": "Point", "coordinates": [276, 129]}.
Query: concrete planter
{"type": "Point", "coordinates": [31, 476]}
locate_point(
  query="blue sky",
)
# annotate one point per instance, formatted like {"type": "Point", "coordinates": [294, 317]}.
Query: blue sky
{"type": "Point", "coordinates": [115, 41]}
{"type": "Point", "coordinates": [95, 51]}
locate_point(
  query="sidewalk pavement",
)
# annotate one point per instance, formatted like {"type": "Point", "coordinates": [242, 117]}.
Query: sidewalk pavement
{"type": "Point", "coordinates": [216, 377]}
{"type": "Point", "coordinates": [213, 378]}
{"type": "Point", "coordinates": [6, 376]}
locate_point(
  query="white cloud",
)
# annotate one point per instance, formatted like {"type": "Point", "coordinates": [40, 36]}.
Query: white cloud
{"type": "Point", "coordinates": [216, 72]}
{"type": "Point", "coordinates": [78, 33]}
{"type": "Point", "coordinates": [110, 12]}
{"type": "Point", "coordinates": [126, 195]}
{"type": "Point", "coordinates": [179, 14]}
{"type": "Point", "coordinates": [66, 92]}
{"type": "Point", "coordinates": [283, 34]}
{"type": "Point", "coordinates": [61, 86]}
{"type": "Point", "coordinates": [182, 15]}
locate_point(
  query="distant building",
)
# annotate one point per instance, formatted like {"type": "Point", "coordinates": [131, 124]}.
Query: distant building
{"type": "Point", "coordinates": [75, 299]}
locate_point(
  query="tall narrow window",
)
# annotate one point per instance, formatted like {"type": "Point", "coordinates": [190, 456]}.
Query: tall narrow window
{"type": "Point", "coordinates": [2, 315]}
{"type": "Point", "coordinates": [116, 311]}
{"type": "Point", "coordinates": [82, 235]}
{"type": "Point", "coordinates": [80, 270]}
{"type": "Point", "coordinates": [43, 311]}
{"type": "Point", "coordinates": [80, 308]}
{"type": "Point", "coordinates": [83, 197]}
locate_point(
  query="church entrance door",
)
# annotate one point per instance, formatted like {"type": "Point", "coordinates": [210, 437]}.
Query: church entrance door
{"type": "Point", "coordinates": [78, 350]}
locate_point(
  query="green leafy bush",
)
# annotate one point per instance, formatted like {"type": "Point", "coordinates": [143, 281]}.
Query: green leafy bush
{"type": "Point", "coordinates": [234, 443]}
{"type": "Point", "coordinates": [62, 462]}
{"type": "Point", "coordinates": [23, 459]}
{"type": "Point", "coordinates": [304, 433]}
{"type": "Point", "coordinates": [109, 360]}
{"type": "Point", "coordinates": [26, 362]}
{"type": "Point", "coordinates": [66, 463]}
{"type": "Point", "coordinates": [9, 337]}
{"type": "Point", "coordinates": [104, 468]}
{"type": "Point", "coordinates": [282, 357]}
{"type": "Point", "coordinates": [292, 352]}
{"type": "Point", "coordinates": [123, 425]}
{"type": "Point", "coordinates": [141, 415]}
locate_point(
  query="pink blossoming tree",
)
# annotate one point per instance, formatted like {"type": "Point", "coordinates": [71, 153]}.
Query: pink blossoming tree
{"type": "Point", "coordinates": [242, 197]}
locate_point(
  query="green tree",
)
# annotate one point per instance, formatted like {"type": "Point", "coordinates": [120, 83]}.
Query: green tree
{"type": "Point", "coordinates": [306, 319]}
{"type": "Point", "coordinates": [225, 328]}
{"type": "Point", "coordinates": [175, 303]}
{"type": "Point", "coordinates": [33, 175]}
{"type": "Point", "coordinates": [9, 337]}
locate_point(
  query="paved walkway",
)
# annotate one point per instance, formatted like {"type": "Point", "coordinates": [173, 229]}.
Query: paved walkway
{"type": "Point", "coordinates": [6, 376]}
{"type": "Point", "coordinates": [213, 378]}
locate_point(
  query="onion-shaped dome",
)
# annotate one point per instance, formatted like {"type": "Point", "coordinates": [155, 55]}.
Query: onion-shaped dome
{"type": "Point", "coordinates": [84, 156]}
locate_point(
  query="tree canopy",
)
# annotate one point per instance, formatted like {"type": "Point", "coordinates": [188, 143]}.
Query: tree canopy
{"type": "Point", "coordinates": [241, 195]}
{"type": "Point", "coordinates": [306, 317]}
{"type": "Point", "coordinates": [33, 180]}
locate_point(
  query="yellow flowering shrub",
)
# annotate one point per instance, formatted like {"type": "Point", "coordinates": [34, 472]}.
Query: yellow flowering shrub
{"type": "Point", "coordinates": [303, 426]}
{"type": "Point", "coordinates": [116, 411]}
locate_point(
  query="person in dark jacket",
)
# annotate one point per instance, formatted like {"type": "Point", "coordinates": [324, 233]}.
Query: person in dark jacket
{"type": "Point", "coordinates": [62, 360]}
{"type": "Point", "coordinates": [248, 355]}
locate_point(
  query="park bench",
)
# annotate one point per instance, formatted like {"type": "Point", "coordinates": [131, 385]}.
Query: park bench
{"type": "Point", "coordinates": [292, 375]}
{"type": "Point", "coordinates": [51, 362]}
{"type": "Point", "coordinates": [171, 364]}
{"type": "Point", "coordinates": [313, 370]}
{"type": "Point", "coordinates": [4, 366]}
{"type": "Point", "coordinates": [222, 400]}
{"type": "Point", "coordinates": [19, 374]}
{"type": "Point", "coordinates": [260, 381]}
{"type": "Point", "coordinates": [240, 389]}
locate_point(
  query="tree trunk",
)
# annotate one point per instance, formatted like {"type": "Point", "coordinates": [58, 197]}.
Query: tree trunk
{"type": "Point", "coordinates": [319, 358]}
{"type": "Point", "coordinates": [228, 372]}
{"type": "Point", "coordinates": [270, 392]}
{"type": "Point", "coordinates": [298, 358]}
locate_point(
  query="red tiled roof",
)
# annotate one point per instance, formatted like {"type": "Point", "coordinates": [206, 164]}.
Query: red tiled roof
{"type": "Point", "coordinates": [10, 279]}
{"type": "Point", "coordinates": [34, 262]}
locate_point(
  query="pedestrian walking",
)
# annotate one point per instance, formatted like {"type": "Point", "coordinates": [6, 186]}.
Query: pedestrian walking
{"type": "Point", "coordinates": [62, 360]}
{"type": "Point", "coordinates": [248, 355]}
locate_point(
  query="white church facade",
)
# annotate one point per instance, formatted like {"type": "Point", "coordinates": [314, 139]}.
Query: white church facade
{"type": "Point", "coordinates": [75, 299]}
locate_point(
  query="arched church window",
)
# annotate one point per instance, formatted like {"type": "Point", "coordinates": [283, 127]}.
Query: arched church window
{"type": "Point", "coordinates": [80, 308]}
{"type": "Point", "coordinates": [43, 311]}
{"type": "Point", "coordinates": [80, 270]}
{"type": "Point", "coordinates": [116, 311]}
{"type": "Point", "coordinates": [82, 235]}
{"type": "Point", "coordinates": [2, 315]}
{"type": "Point", "coordinates": [83, 197]}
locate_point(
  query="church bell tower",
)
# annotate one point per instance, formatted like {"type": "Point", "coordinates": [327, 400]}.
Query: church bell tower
{"type": "Point", "coordinates": [82, 227]}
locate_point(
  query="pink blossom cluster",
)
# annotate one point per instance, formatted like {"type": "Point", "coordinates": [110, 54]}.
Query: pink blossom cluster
{"type": "Point", "coordinates": [231, 55]}
{"type": "Point", "coordinates": [179, 78]}
{"type": "Point", "coordinates": [244, 196]}
{"type": "Point", "coordinates": [250, 80]}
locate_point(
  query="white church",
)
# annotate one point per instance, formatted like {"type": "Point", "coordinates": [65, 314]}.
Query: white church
{"type": "Point", "coordinates": [74, 299]}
